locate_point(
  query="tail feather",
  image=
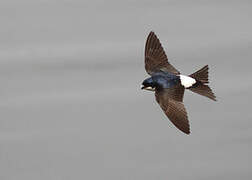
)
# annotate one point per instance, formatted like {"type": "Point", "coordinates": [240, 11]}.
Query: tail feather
{"type": "Point", "coordinates": [201, 75]}
{"type": "Point", "coordinates": [200, 86]}
{"type": "Point", "coordinates": [203, 90]}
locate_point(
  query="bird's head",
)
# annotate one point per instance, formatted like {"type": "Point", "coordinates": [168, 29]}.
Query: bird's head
{"type": "Point", "coordinates": [148, 84]}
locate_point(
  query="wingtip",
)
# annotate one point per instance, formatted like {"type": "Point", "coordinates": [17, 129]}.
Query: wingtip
{"type": "Point", "coordinates": [214, 98]}
{"type": "Point", "coordinates": [187, 132]}
{"type": "Point", "coordinates": [152, 32]}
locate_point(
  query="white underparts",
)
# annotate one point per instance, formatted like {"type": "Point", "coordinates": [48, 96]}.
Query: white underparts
{"type": "Point", "coordinates": [149, 88]}
{"type": "Point", "coordinates": [187, 81]}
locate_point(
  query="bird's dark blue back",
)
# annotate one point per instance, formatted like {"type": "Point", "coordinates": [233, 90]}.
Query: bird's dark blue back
{"type": "Point", "coordinates": [165, 79]}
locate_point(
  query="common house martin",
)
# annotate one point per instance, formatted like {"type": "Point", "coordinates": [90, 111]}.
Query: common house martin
{"type": "Point", "coordinates": [169, 85]}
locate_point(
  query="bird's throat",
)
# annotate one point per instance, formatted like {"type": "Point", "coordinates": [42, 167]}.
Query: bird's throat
{"type": "Point", "coordinates": [149, 88]}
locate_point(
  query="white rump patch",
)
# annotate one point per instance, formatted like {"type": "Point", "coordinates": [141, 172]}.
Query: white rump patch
{"type": "Point", "coordinates": [187, 81]}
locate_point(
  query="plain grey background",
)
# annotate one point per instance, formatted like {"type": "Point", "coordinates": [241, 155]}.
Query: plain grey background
{"type": "Point", "coordinates": [71, 105]}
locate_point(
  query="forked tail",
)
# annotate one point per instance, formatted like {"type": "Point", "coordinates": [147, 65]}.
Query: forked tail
{"type": "Point", "coordinates": [201, 86]}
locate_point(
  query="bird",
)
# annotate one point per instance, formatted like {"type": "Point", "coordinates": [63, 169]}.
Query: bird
{"type": "Point", "coordinates": [169, 85]}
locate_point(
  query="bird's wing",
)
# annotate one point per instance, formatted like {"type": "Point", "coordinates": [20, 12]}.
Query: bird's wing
{"type": "Point", "coordinates": [171, 102]}
{"type": "Point", "coordinates": [155, 57]}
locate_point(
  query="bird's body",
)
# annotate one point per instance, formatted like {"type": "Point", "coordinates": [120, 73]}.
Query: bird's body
{"type": "Point", "coordinates": [169, 85]}
{"type": "Point", "coordinates": [162, 80]}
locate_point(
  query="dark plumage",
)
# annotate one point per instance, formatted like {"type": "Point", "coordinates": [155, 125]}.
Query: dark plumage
{"type": "Point", "coordinates": [161, 80]}
{"type": "Point", "coordinates": [169, 85]}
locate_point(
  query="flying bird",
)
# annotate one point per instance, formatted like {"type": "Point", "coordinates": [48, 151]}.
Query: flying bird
{"type": "Point", "coordinates": [169, 85]}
